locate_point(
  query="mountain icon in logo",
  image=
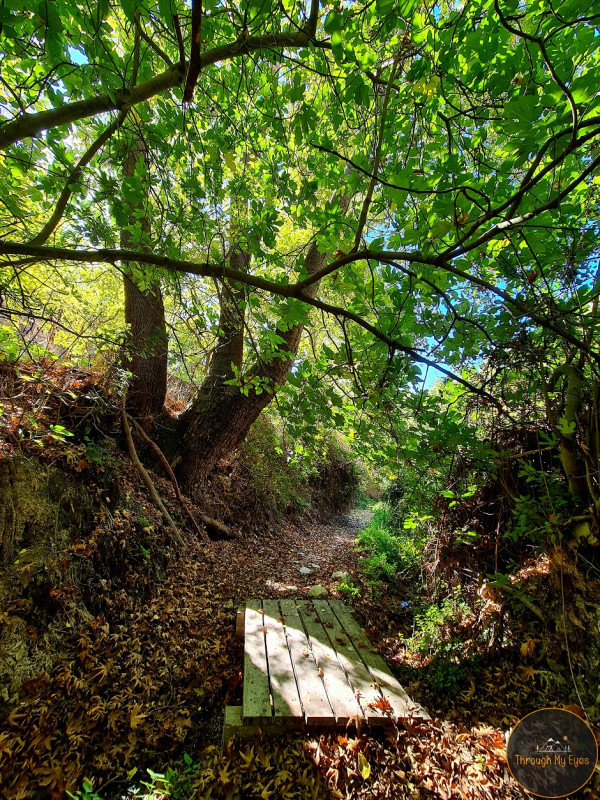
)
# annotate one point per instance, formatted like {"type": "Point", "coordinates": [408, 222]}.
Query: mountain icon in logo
{"type": "Point", "coordinates": [554, 746]}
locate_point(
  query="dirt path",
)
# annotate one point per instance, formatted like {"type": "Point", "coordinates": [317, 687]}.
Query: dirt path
{"type": "Point", "coordinates": [149, 685]}
{"type": "Point", "coordinates": [270, 566]}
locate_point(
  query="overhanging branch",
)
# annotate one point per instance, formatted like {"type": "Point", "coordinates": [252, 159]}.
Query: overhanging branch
{"type": "Point", "coordinates": [32, 124]}
{"type": "Point", "coordinates": [297, 290]}
{"type": "Point", "coordinates": [221, 272]}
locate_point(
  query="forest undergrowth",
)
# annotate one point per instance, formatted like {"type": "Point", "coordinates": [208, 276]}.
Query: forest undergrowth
{"type": "Point", "coordinates": [122, 643]}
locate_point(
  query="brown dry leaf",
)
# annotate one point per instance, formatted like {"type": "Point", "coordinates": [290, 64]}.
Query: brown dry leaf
{"type": "Point", "coordinates": [137, 717]}
{"type": "Point", "coordinates": [381, 704]}
{"type": "Point", "coordinates": [527, 649]}
{"type": "Point", "coordinates": [526, 673]}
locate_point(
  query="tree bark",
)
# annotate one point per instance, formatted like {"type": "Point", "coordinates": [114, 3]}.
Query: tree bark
{"type": "Point", "coordinates": [570, 459]}
{"type": "Point", "coordinates": [220, 416]}
{"type": "Point", "coordinates": [204, 428]}
{"type": "Point", "coordinates": [146, 358]}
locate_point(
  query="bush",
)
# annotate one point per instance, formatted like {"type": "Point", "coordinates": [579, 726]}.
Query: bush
{"type": "Point", "coordinates": [335, 480]}
{"type": "Point", "coordinates": [349, 588]}
{"type": "Point", "coordinates": [282, 477]}
{"type": "Point", "coordinates": [390, 549]}
{"type": "Point", "coordinates": [362, 499]}
{"type": "Point", "coordinates": [279, 485]}
{"type": "Point", "coordinates": [436, 624]}
{"type": "Point", "coordinates": [446, 676]}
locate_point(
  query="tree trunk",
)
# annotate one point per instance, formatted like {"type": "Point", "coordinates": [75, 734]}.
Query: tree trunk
{"type": "Point", "coordinates": [146, 357]}
{"type": "Point", "coordinates": [220, 416]}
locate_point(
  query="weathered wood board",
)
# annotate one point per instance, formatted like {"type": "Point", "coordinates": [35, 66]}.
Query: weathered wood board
{"type": "Point", "coordinates": [357, 674]}
{"type": "Point", "coordinates": [257, 696]}
{"type": "Point", "coordinates": [284, 690]}
{"type": "Point", "coordinates": [310, 663]}
{"type": "Point", "coordinates": [341, 695]}
{"type": "Point", "coordinates": [402, 706]}
{"type": "Point", "coordinates": [315, 703]}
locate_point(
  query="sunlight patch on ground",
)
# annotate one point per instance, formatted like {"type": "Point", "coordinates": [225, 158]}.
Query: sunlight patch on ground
{"type": "Point", "coordinates": [281, 587]}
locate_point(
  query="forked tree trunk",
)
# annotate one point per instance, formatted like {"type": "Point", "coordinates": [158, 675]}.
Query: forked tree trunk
{"type": "Point", "coordinates": [145, 314]}
{"type": "Point", "coordinates": [220, 416]}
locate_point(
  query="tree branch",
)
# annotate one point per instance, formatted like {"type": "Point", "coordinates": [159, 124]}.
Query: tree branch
{"type": "Point", "coordinates": [297, 290]}
{"type": "Point", "coordinates": [206, 270]}
{"type": "Point", "coordinates": [194, 65]}
{"type": "Point", "coordinates": [75, 173]}
{"type": "Point", "coordinates": [152, 44]}
{"type": "Point", "coordinates": [540, 43]}
{"type": "Point", "coordinates": [32, 124]}
{"type": "Point", "coordinates": [398, 347]}
{"type": "Point", "coordinates": [362, 220]}
{"type": "Point", "coordinates": [507, 224]}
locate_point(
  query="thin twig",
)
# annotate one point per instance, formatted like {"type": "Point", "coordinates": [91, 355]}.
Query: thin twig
{"type": "Point", "coordinates": [74, 176]}
{"type": "Point", "coordinates": [180, 44]}
{"type": "Point", "coordinates": [163, 460]}
{"type": "Point", "coordinates": [144, 475]}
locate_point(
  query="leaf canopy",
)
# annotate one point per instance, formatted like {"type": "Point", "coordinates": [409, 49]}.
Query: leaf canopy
{"type": "Point", "coordinates": [465, 135]}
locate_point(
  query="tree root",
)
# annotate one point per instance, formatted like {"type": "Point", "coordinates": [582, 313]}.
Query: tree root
{"type": "Point", "coordinates": [145, 477]}
{"type": "Point", "coordinates": [214, 528]}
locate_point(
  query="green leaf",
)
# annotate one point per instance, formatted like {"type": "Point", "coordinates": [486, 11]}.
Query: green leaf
{"type": "Point", "coordinates": [166, 11]}
{"type": "Point", "coordinates": [547, 441]}
{"type": "Point", "coordinates": [337, 46]}
{"type": "Point", "coordinates": [566, 427]}
{"type": "Point", "coordinates": [524, 110]}
{"type": "Point", "coordinates": [49, 14]}
{"type": "Point", "coordinates": [129, 8]}
{"type": "Point", "coordinates": [230, 161]}
{"type": "Point", "coordinates": [406, 8]}
{"type": "Point", "coordinates": [334, 21]}
{"type": "Point", "coordinates": [365, 769]}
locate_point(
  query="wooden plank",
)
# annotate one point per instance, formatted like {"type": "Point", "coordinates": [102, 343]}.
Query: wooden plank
{"type": "Point", "coordinates": [402, 706]}
{"type": "Point", "coordinates": [356, 671]}
{"type": "Point", "coordinates": [316, 706]}
{"type": "Point", "coordinates": [234, 725]}
{"type": "Point", "coordinates": [240, 620]}
{"type": "Point", "coordinates": [341, 695]}
{"type": "Point", "coordinates": [256, 705]}
{"type": "Point", "coordinates": [284, 692]}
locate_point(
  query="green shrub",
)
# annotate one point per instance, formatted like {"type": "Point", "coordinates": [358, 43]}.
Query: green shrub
{"type": "Point", "coordinates": [335, 479]}
{"type": "Point", "coordinates": [362, 499]}
{"type": "Point", "coordinates": [541, 491]}
{"type": "Point", "coordinates": [85, 793]}
{"type": "Point", "coordinates": [176, 783]}
{"type": "Point", "coordinates": [285, 476]}
{"type": "Point", "coordinates": [446, 676]}
{"type": "Point", "coordinates": [349, 588]}
{"type": "Point", "coordinates": [390, 549]}
{"type": "Point", "coordinates": [435, 625]}
{"type": "Point", "coordinates": [279, 485]}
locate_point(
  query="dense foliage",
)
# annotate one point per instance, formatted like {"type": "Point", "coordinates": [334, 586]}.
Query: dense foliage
{"type": "Point", "coordinates": [456, 201]}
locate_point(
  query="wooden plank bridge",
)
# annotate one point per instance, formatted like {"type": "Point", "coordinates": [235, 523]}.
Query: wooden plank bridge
{"type": "Point", "coordinates": [309, 663]}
